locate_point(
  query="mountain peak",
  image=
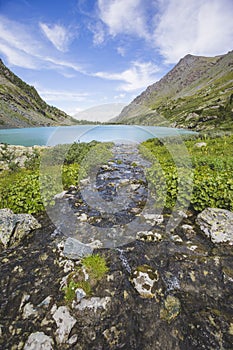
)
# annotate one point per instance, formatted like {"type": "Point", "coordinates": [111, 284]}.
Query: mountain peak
{"type": "Point", "coordinates": [197, 87]}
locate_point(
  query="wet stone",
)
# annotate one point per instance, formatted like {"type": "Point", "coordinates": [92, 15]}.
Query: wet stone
{"type": "Point", "coordinates": [73, 249]}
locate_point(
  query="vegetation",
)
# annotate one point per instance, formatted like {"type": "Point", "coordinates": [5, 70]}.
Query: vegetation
{"type": "Point", "coordinates": [30, 189]}
{"type": "Point", "coordinates": [95, 266]}
{"type": "Point", "coordinates": [208, 182]}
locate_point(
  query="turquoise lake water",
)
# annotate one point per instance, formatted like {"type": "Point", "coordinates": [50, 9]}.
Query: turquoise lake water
{"type": "Point", "coordinates": [51, 136]}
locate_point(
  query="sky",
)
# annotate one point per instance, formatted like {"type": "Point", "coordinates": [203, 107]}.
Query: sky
{"type": "Point", "coordinates": [82, 53]}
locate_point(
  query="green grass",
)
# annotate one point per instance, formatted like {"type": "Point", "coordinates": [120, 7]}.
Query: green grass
{"type": "Point", "coordinates": [212, 171]}
{"type": "Point", "coordinates": [30, 189]}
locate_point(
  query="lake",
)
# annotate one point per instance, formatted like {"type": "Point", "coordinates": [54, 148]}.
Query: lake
{"type": "Point", "coordinates": [51, 136]}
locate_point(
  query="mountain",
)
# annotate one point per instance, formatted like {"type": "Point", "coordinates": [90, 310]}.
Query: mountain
{"type": "Point", "coordinates": [21, 105]}
{"type": "Point", "coordinates": [196, 94]}
{"type": "Point", "coordinates": [101, 113]}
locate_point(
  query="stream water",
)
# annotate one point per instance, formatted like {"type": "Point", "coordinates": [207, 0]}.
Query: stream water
{"type": "Point", "coordinates": [112, 205]}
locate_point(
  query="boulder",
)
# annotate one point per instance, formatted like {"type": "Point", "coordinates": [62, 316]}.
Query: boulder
{"type": "Point", "coordinates": [14, 227]}
{"type": "Point", "coordinates": [217, 224]}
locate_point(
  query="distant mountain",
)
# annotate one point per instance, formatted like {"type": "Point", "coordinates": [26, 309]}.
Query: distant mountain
{"type": "Point", "coordinates": [21, 105]}
{"type": "Point", "coordinates": [196, 94]}
{"type": "Point", "coordinates": [101, 113]}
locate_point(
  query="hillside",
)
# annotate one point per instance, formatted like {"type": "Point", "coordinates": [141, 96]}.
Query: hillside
{"type": "Point", "coordinates": [21, 105]}
{"type": "Point", "coordinates": [197, 94]}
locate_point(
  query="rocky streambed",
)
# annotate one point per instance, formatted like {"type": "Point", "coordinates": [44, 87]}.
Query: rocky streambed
{"type": "Point", "coordinates": [163, 290]}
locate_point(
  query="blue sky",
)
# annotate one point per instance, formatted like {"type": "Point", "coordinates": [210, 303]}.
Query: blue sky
{"type": "Point", "coordinates": [83, 53]}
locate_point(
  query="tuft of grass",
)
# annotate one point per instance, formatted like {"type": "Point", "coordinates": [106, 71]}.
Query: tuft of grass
{"type": "Point", "coordinates": [96, 266]}
{"type": "Point", "coordinates": [73, 286]}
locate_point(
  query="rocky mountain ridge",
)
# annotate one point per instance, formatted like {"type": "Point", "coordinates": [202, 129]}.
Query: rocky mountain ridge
{"type": "Point", "coordinates": [21, 105]}
{"type": "Point", "coordinates": [197, 94]}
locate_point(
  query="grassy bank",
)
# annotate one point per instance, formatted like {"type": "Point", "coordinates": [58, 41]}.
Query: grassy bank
{"type": "Point", "coordinates": [28, 189]}
{"type": "Point", "coordinates": [204, 164]}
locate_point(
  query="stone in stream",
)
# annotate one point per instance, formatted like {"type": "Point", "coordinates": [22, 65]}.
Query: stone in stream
{"type": "Point", "coordinates": [74, 249]}
{"type": "Point", "coordinates": [144, 279]}
{"type": "Point", "coordinates": [14, 227]}
{"type": "Point", "coordinates": [65, 322]}
{"type": "Point", "coordinates": [217, 224]}
{"type": "Point", "coordinates": [39, 341]}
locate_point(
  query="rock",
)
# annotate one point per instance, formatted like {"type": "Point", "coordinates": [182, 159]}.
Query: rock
{"type": "Point", "coordinates": [74, 249]}
{"type": "Point", "coordinates": [29, 310]}
{"type": "Point", "coordinates": [46, 302]}
{"type": "Point", "coordinates": [144, 279]}
{"type": "Point", "coordinates": [65, 322]}
{"type": "Point", "coordinates": [216, 224]}
{"type": "Point", "coordinates": [93, 303]}
{"type": "Point", "coordinates": [60, 195]}
{"type": "Point", "coordinates": [83, 217]}
{"type": "Point", "coordinates": [153, 218]}
{"type": "Point", "coordinates": [39, 341]}
{"type": "Point", "coordinates": [95, 244]}
{"type": "Point", "coordinates": [200, 144]}
{"type": "Point", "coordinates": [84, 182]}
{"type": "Point", "coordinates": [148, 236]}
{"type": "Point", "coordinates": [14, 227]}
{"type": "Point", "coordinates": [80, 294]}
{"type": "Point", "coordinates": [171, 308]}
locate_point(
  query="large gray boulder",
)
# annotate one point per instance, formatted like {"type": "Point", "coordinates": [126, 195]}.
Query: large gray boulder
{"type": "Point", "coordinates": [217, 224]}
{"type": "Point", "coordinates": [14, 227]}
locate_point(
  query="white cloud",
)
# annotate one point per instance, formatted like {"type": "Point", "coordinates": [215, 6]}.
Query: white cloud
{"type": "Point", "coordinates": [138, 76]}
{"type": "Point", "coordinates": [121, 50]}
{"type": "Point", "coordinates": [59, 36]}
{"type": "Point", "coordinates": [195, 26]}
{"type": "Point", "coordinates": [124, 16]}
{"type": "Point", "coordinates": [98, 33]}
{"type": "Point", "coordinates": [17, 57]}
{"type": "Point", "coordinates": [17, 44]}
{"type": "Point", "coordinates": [23, 48]}
{"type": "Point", "coordinates": [59, 95]}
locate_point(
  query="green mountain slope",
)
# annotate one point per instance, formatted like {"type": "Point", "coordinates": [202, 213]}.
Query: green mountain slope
{"type": "Point", "coordinates": [21, 105]}
{"type": "Point", "coordinates": [196, 94]}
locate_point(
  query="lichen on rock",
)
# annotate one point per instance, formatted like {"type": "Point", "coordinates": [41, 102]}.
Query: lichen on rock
{"type": "Point", "coordinates": [171, 308]}
{"type": "Point", "coordinates": [144, 279]}
{"type": "Point", "coordinates": [216, 224]}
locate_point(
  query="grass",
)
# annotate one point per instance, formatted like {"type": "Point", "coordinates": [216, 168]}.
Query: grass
{"type": "Point", "coordinates": [96, 268]}
{"type": "Point", "coordinates": [210, 172]}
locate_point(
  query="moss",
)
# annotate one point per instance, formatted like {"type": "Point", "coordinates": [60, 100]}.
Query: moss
{"type": "Point", "coordinates": [95, 266]}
